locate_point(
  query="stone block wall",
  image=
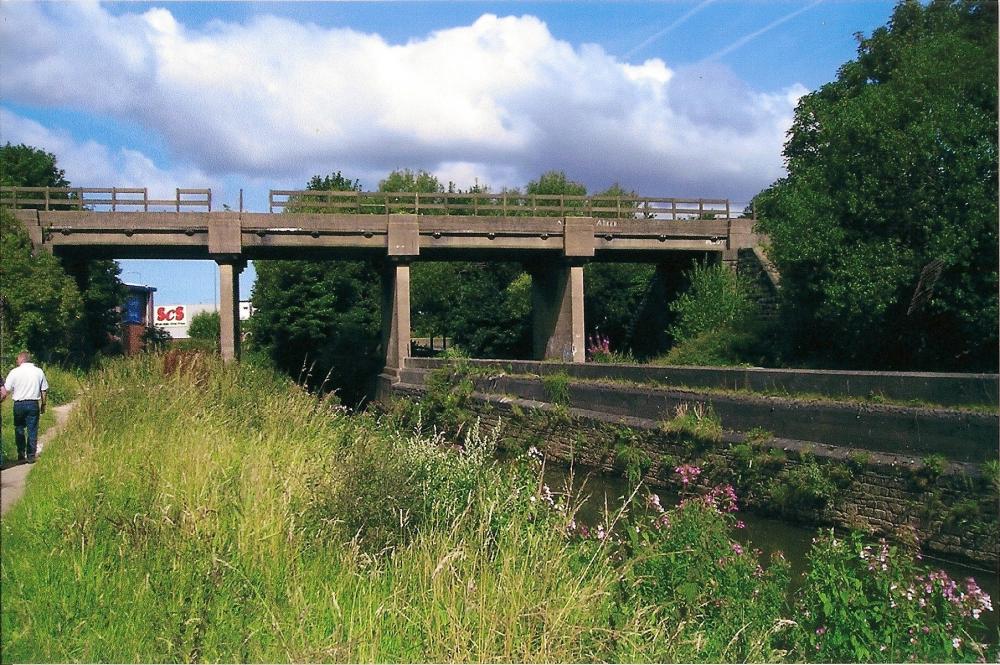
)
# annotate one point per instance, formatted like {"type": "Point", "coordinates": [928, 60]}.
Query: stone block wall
{"type": "Point", "coordinates": [951, 510]}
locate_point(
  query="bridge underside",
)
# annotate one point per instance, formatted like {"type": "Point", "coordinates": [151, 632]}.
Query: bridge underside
{"type": "Point", "coordinates": [554, 250]}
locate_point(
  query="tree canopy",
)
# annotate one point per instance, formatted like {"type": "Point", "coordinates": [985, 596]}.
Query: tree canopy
{"type": "Point", "coordinates": [59, 310]}
{"type": "Point", "coordinates": [25, 166]}
{"type": "Point", "coordinates": [885, 228]}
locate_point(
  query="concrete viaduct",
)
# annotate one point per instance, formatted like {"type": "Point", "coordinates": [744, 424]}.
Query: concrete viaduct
{"type": "Point", "coordinates": [553, 236]}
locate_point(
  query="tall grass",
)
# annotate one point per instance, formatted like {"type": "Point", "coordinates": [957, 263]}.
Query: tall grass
{"type": "Point", "coordinates": [223, 514]}
{"type": "Point", "coordinates": [191, 518]}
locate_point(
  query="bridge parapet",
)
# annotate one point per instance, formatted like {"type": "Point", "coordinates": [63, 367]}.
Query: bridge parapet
{"type": "Point", "coordinates": [502, 204]}
{"type": "Point", "coordinates": [104, 199]}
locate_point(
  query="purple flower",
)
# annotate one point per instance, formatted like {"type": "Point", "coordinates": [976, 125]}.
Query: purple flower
{"type": "Point", "coordinates": [688, 473]}
{"type": "Point", "coordinates": [737, 548]}
{"type": "Point", "coordinates": [821, 630]}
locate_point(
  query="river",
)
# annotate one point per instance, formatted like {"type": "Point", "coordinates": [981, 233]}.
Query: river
{"type": "Point", "coordinates": [767, 533]}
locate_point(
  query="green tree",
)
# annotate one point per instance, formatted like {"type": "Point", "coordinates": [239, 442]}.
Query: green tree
{"type": "Point", "coordinates": [205, 326]}
{"type": "Point", "coordinates": [25, 166]}
{"type": "Point", "coordinates": [40, 306]}
{"type": "Point", "coordinates": [100, 292]}
{"type": "Point", "coordinates": [885, 229]}
{"type": "Point", "coordinates": [406, 180]}
{"type": "Point", "coordinates": [323, 317]}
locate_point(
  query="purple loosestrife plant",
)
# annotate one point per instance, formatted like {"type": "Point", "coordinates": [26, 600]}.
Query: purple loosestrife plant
{"type": "Point", "coordinates": [873, 603]}
{"type": "Point", "coordinates": [685, 563]}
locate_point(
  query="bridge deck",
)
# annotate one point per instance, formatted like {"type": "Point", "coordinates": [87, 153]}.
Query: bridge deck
{"type": "Point", "coordinates": [270, 235]}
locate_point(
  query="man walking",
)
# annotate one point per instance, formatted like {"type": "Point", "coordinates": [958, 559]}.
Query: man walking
{"type": "Point", "coordinates": [27, 386]}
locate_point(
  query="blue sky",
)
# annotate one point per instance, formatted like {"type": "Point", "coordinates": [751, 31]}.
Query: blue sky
{"type": "Point", "coordinates": [666, 98]}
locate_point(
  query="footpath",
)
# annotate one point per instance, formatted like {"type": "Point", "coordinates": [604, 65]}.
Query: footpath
{"type": "Point", "coordinates": [13, 479]}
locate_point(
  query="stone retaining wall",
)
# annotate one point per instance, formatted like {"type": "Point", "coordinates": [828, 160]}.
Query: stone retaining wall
{"type": "Point", "coordinates": [951, 510]}
{"type": "Point", "coordinates": [927, 387]}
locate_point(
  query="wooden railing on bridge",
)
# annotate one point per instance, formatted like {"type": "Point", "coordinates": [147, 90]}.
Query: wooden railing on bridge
{"type": "Point", "coordinates": [499, 205]}
{"type": "Point", "coordinates": [504, 204]}
{"type": "Point", "coordinates": [103, 198]}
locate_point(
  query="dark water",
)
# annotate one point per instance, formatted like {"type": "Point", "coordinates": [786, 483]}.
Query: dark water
{"type": "Point", "coordinates": [606, 492]}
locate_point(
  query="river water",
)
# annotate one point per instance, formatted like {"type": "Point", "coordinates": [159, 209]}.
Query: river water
{"type": "Point", "coordinates": [607, 491]}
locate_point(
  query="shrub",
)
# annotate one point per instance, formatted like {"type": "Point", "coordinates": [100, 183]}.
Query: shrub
{"type": "Point", "coordinates": [205, 326]}
{"type": "Point", "coordinates": [717, 600]}
{"type": "Point", "coordinates": [865, 603]}
{"type": "Point", "coordinates": [557, 388]}
{"type": "Point", "coordinates": [697, 420]}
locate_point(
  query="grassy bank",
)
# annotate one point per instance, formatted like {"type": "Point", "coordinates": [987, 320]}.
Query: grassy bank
{"type": "Point", "coordinates": [223, 514]}
{"type": "Point", "coordinates": [64, 385]}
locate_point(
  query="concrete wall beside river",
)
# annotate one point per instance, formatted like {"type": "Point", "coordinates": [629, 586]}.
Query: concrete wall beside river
{"type": "Point", "coordinates": [902, 471]}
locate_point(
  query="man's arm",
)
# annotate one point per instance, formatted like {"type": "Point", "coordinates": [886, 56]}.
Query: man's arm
{"type": "Point", "coordinates": [3, 392]}
{"type": "Point", "coordinates": [41, 402]}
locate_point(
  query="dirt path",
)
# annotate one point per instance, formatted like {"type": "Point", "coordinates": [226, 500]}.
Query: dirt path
{"type": "Point", "coordinates": [12, 480]}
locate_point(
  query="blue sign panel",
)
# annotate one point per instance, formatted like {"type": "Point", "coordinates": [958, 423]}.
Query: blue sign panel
{"type": "Point", "coordinates": [135, 306]}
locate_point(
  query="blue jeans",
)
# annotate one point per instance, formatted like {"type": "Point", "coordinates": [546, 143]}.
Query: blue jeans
{"type": "Point", "coordinates": [26, 418]}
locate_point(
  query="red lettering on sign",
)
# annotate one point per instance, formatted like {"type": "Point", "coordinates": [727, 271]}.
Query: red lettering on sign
{"type": "Point", "coordinates": [172, 314]}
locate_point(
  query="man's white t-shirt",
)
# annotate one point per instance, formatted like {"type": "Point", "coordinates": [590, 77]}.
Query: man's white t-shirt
{"type": "Point", "coordinates": [26, 382]}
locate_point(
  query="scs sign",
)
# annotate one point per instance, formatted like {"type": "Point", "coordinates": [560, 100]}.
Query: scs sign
{"type": "Point", "coordinates": [168, 316]}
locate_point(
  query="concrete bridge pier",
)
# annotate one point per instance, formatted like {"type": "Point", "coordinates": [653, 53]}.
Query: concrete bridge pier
{"type": "Point", "coordinates": [229, 308]}
{"type": "Point", "coordinates": [395, 315]}
{"type": "Point", "coordinates": [557, 312]}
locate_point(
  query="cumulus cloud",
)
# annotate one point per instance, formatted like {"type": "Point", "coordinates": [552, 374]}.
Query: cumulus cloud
{"type": "Point", "coordinates": [501, 100]}
{"type": "Point", "coordinates": [91, 164]}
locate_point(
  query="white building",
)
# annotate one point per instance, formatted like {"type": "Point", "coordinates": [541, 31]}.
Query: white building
{"type": "Point", "coordinates": [175, 319]}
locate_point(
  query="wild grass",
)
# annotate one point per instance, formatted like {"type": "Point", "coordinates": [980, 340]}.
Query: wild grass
{"type": "Point", "coordinates": [221, 513]}
{"type": "Point", "coordinates": [189, 518]}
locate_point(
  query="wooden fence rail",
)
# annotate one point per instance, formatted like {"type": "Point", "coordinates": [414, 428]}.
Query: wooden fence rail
{"type": "Point", "coordinates": [438, 203]}
{"type": "Point", "coordinates": [95, 198]}
{"type": "Point", "coordinates": [501, 205]}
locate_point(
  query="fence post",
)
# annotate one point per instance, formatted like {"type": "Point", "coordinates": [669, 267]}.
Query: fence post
{"type": "Point", "coordinates": [178, 199]}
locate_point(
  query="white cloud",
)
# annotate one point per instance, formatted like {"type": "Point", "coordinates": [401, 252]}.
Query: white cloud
{"type": "Point", "coordinates": [92, 164]}
{"type": "Point", "coordinates": [501, 98]}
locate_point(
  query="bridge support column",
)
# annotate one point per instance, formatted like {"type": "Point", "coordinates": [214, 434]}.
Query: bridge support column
{"type": "Point", "coordinates": [396, 315]}
{"type": "Point", "coordinates": [557, 310]}
{"type": "Point", "coordinates": [229, 308]}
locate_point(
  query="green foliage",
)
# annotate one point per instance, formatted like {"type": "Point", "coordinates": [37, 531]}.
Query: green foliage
{"type": "Point", "coordinates": [859, 459]}
{"type": "Point", "coordinates": [556, 388]}
{"type": "Point", "coordinates": [629, 456]}
{"type": "Point", "coordinates": [357, 542]}
{"type": "Point", "coordinates": [715, 319]}
{"type": "Point", "coordinates": [410, 181]}
{"type": "Point", "coordinates": [697, 420]}
{"type": "Point", "coordinates": [930, 469]}
{"type": "Point", "coordinates": [205, 326]}
{"type": "Point", "coordinates": [884, 230]}
{"type": "Point", "coordinates": [320, 321]}
{"type": "Point", "coordinates": [808, 486]}
{"type": "Point", "coordinates": [40, 305]}
{"type": "Point", "coordinates": [991, 472]}
{"type": "Point", "coordinates": [486, 312]}
{"type": "Point", "coordinates": [717, 298]}
{"type": "Point", "coordinates": [25, 166]}
{"type": "Point", "coordinates": [715, 598]}
{"type": "Point", "coordinates": [155, 339]}
{"type": "Point", "coordinates": [861, 603]}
